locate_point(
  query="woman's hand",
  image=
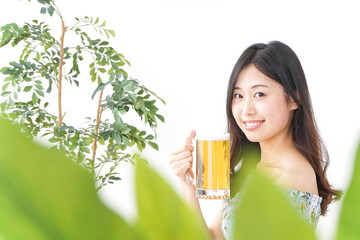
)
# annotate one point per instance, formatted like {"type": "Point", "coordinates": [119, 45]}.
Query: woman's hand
{"type": "Point", "coordinates": [181, 159]}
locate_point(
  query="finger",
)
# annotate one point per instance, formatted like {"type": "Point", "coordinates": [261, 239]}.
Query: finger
{"type": "Point", "coordinates": [180, 150]}
{"type": "Point", "coordinates": [190, 138]}
{"type": "Point", "coordinates": [181, 171]}
{"type": "Point", "coordinates": [180, 163]}
{"type": "Point", "coordinates": [180, 156]}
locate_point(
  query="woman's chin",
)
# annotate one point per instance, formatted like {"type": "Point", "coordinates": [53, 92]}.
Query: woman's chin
{"type": "Point", "coordinates": [253, 139]}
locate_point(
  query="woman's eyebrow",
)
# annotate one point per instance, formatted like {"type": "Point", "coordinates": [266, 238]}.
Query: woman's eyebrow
{"type": "Point", "coordinates": [252, 87]}
{"type": "Point", "coordinates": [259, 85]}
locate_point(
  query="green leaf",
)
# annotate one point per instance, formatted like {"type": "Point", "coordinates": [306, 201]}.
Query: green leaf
{"type": "Point", "coordinates": [11, 102]}
{"type": "Point", "coordinates": [6, 85]}
{"type": "Point", "coordinates": [5, 94]}
{"type": "Point", "coordinates": [17, 65]}
{"type": "Point", "coordinates": [93, 77]}
{"type": "Point", "coordinates": [275, 215]}
{"type": "Point", "coordinates": [43, 10]}
{"type": "Point", "coordinates": [38, 86]}
{"type": "Point", "coordinates": [117, 138]}
{"type": "Point", "coordinates": [27, 65]}
{"type": "Point", "coordinates": [149, 137]}
{"type": "Point", "coordinates": [102, 70]}
{"type": "Point", "coordinates": [51, 10]}
{"type": "Point", "coordinates": [15, 95]}
{"type": "Point", "coordinates": [126, 141]}
{"type": "Point", "coordinates": [107, 34]}
{"type": "Point", "coordinates": [153, 145]}
{"type": "Point", "coordinates": [101, 141]}
{"type": "Point", "coordinates": [97, 20]}
{"type": "Point", "coordinates": [34, 98]}
{"type": "Point", "coordinates": [115, 178]}
{"type": "Point", "coordinates": [349, 226]}
{"type": "Point", "coordinates": [170, 217]}
{"type": "Point", "coordinates": [54, 140]}
{"type": "Point", "coordinates": [111, 32]}
{"type": "Point", "coordinates": [92, 71]}
{"type": "Point", "coordinates": [85, 149]}
{"type": "Point", "coordinates": [3, 69]}
{"type": "Point", "coordinates": [43, 1]}
{"type": "Point", "coordinates": [3, 106]}
{"type": "Point", "coordinates": [160, 117]}
{"type": "Point", "coordinates": [46, 196]}
{"type": "Point", "coordinates": [8, 71]}
{"type": "Point", "coordinates": [40, 93]}
{"type": "Point", "coordinates": [132, 97]}
{"type": "Point", "coordinates": [37, 57]}
{"type": "Point", "coordinates": [104, 43]}
{"type": "Point", "coordinates": [100, 87]}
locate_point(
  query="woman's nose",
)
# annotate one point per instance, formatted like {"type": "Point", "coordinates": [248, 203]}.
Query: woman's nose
{"type": "Point", "coordinates": [248, 108]}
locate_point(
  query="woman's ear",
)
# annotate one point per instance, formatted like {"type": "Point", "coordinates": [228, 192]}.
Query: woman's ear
{"type": "Point", "coordinates": [294, 105]}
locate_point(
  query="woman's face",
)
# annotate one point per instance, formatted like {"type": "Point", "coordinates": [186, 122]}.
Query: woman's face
{"type": "Point", "coordinates": [260, 107]}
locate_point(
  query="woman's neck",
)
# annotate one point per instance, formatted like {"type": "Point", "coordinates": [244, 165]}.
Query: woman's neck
{"type": "Point", "coordinates": [275, 150]}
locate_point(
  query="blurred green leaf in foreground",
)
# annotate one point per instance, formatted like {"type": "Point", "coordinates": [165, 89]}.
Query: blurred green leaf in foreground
{"type": "Point", "coordinates": [44, 196]}
{"type": "Point", "coordinates": [265, 213]}
{"type": "Point", "coordinates": [162, 214]}
{"type": "Point", "coordinates": [349, 223]}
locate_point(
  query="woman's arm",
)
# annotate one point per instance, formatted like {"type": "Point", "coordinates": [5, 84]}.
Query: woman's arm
{"type": "Point", "coordinates": [188, 191]}
{"type": "Point", "coordinates": [215, 227]}
{"type": "Point", "coordinates": [181, 161]}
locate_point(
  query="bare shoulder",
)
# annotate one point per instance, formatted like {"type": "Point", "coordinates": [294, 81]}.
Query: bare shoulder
{"type": "Point", "coordinates": [299, 175]}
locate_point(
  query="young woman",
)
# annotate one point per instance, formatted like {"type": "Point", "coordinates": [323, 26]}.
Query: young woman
{"type": "Point", "coordinates": [269, 110]}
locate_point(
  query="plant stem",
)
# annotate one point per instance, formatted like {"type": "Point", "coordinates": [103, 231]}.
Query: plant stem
{"type": "Point", "coordinates": [98, 117]}
{"type": "Point", "coordinates": [63, 29]}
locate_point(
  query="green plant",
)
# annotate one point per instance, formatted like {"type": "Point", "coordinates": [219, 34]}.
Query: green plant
{"type": "Point", "coordinates": [43, 195]}
{"type": "Point", "coordinates": [349, 224]}
{"type": "Point", "coordinates": [40, 67]}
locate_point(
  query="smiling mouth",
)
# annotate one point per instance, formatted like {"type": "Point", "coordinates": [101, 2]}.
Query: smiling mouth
{"type": "Point", "coordinates": [253, 124]}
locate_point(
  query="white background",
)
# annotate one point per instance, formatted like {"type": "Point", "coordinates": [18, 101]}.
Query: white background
{"type": "Point", "coordinates": [185, 50]}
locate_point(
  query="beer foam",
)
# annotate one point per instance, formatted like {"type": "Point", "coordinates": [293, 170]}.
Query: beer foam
{"type": "Point", "coordinates": [206, 136]}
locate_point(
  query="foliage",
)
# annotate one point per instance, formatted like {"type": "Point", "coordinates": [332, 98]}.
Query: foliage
{"type": "Point", "coordinates": [349, 225]}
{"type": "Point", "coordinates": [30, 80]}
{"type": "Point", "coordinates": [43, 195]}
{"type": "Point", "coordinates": [162, 214]}
{"type": "Point", "coordinates": [256, 210]}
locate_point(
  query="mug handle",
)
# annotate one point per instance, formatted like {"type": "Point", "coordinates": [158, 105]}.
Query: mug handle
{"type": "Point", "coordinates": [188, 178]}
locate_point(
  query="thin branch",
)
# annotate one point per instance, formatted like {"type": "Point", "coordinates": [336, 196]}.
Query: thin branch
{"type": "Point", "coordinates": [98, 117]}
{"type": "Point", "coordinates": [60, 71]}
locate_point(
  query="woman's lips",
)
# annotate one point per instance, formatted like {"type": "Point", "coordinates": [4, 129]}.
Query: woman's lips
{"type": "Point", "coordinates": [251, 125]}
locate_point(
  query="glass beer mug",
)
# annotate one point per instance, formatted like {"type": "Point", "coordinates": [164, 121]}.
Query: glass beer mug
{"type": "Point", "coordinates": [212, 166]}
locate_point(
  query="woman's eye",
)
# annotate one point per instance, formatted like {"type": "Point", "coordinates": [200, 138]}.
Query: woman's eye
{"type": "Point", "coordinates": [237, 95]}
{"type": "Point", "coordinates": [259, 94]}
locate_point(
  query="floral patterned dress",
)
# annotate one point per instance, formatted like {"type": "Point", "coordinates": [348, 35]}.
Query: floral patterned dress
{"type": "Point", "coordinates": [305, 204]}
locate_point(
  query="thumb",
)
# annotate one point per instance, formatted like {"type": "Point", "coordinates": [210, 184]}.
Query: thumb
{"type": "Point", "coordinates": [190, 138]}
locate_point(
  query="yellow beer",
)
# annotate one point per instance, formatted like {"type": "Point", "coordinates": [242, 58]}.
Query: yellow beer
{"type": "Point", "coordinates": [213, 167]}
